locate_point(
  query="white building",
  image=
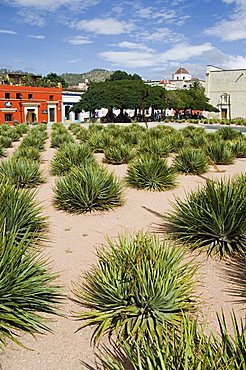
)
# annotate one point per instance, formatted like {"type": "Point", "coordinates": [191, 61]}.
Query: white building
{"type": "Point", "coordinates": [181, 74]}
{"type": "Point", "coordinates": [226, 90]}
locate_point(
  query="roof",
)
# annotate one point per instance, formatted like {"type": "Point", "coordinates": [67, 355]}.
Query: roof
{"type": "Point", "coordinates": [182, 70]}
{"type": "Point", "coordinates": [165, 82]}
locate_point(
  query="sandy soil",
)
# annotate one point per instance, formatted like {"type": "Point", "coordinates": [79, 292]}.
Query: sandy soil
{"type": "Point", "coordinates": [73, 240]}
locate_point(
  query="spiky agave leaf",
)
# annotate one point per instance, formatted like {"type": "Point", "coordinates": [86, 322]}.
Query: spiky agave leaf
{"type": "Point", "coordinates": [191, 161]}
{"type": "Point", "coordinates": [88, 188]}
{"type": "Point", "coordinates": [70, 155]}
{"type": "Point", "coordinates": [19, 213]}
{"type": "Point", "coordinates": [228, 133]}
{"type": "Point", "coordinates": [187, 347]}
{"type": "Point", "coordinates": [5, 141]}
{"type": "Point", "coordinates": [239, 148]}
{"type": "Point", "coordinates": [151, 173]}
{"type": "Point", "coordinates": [2, 151]}
{"type": "Point", "coordinates": [58, 139]}
{"type": "Point", "coordinates": [160, 147]}
{"type": "Point", "coordinates": [138, 285]}
{"type": "Point", "coordinates": [27, 289]}
{"type": "Point", "coordinates": [23, 173]}
{"type": "Point", "coordinates": [212, 217]}
{"type": "Point", "coordinates": [118, 154]}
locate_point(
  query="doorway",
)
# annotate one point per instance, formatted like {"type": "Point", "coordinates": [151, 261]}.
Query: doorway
{"type": "Point", "coordinates": [224, 113]}
{"type": "Point", "coordinates": [52, 115]}
{"type": "Point", "coordinates": [31, 116]}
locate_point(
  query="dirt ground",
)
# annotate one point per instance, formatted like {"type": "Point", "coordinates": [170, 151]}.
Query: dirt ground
{"type": "Point", "coordinates": [73, 239]}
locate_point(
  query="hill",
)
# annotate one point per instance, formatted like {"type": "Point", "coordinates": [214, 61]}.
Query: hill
{"type": "Point", "coordinates": [95, 75]}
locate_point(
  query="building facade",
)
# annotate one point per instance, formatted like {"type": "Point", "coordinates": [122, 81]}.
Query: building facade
{"type": "Point", "coordinates": [226, 90]}
{"type": "Point", "coordinates": [30, 104]}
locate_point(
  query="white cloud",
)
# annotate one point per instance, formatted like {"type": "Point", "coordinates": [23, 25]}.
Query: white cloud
{"type": "Point", "coordinates": [163, 34]}
{"type": "Point", "coordinates": [38, 37]}
{"type": "Point", "coordinates": [183, 52]}
{"type": "Point", "coordinates": [133, 46]}
{"type": "Point", "coordinates": [104, 26]}
{"type": "Point", "coordinates": [8, 32]}
{"type": "Point", "coordinates": [235, 62]}
{"type": "Point", "coordinates": [31, 17]}
{"type": "Point", "coordinates": [234, 28]}
{"type": "Point", "coordinates": [78, 40]}
{"type": "Point", "coordinates": [51, 4]}
{"type": "Point", "coordinates": [129, 58]}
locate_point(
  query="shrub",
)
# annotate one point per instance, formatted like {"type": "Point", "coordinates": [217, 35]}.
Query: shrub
{"type": "Point", "coordinates": [27, 152]}
{"type": "Point", "coordinates": [20, 213]}
{"type": "Point", "coordinates": [27, 290]}
{"type": "Point", "coordinates": [88, 188]}
{"type": "Point", "coordinates": [70, 155]}
{"type": "Point", "coordinates": [119, 154]}
{"type": "Point", "coordinates": [220, 153]}
{"type": "Point", "coordinates": [158, 147]}
{"type": "Point", "coordinates": [139, 285]}
{"type": "Point", "coordinates": [5, 141]}
{"type": "Point", "coordinates": [34, 140]}
{"type": "Point", "coordinates": [228, 133]}
{"type": "Point", "coordinates": [14, 135]}
{"type": "Point", "coordinates": [59, 139]}
{"type": "Point", "coordinates": [21, 172]}
{"type": "Point", "coordinates": [151, 173]}
{"type": "Point", "coordinates": [191, 161]}
{"type": "Point", "coordinates": [187, 347]}
{"type": "Point", "coordinates": [239, 148]}
{"type": "Point", "coordinates": [212, 218]}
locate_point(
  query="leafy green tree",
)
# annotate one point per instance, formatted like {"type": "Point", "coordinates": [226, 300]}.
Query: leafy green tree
{"type": "Point", "coordinates": [122, 75]}
{"type": "Point", "coordinates": [52, 79]}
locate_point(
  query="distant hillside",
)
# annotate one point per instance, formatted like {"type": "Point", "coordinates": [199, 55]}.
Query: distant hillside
{"type": "Point", "coordinates": [95, 75]}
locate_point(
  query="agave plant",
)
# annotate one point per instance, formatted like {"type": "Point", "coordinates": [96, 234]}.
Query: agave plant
{"type": "Point", "coordinates": [220, 153]}
{"type": "Point", "coordinates": [59, 139]}
{"type": "Point", "coordinates": [239, 148]}
{"type": "Point", "coordinates": [2, 151]}
{"type": "Point", "coordinates": [20, 213]}
{"type": "Point", "coordinates": [191, 161]}
{"type": "Point", "coordinates": [187, 347]}
{"type": "Point", "coordinates": [27, 152]}
{"type": "Point", "coordinates": [151, 173]}
{"type": "Point", "coordinates": [159, 147]}
{"type": "Point", "coordinates": [139, 285]}
{"type": "Point", "coordinates": [5, 141]}
{"type": "Point", "coordinates": [213, 217]}
{"type": "Point", "coordinates": [28, 291]}
{"type": "Point", "coordinates": [36, 141]}
{"type": "Point", "coordinates": [22, 173]}
{"type": "Point", "coordinates": [70, 155]}
{"type": "Point", "coordinates": [228, 133]}
{"type": "Point", "coordinates": [88, 188]}
{"type": "Point", "coordinates": [118, 154]}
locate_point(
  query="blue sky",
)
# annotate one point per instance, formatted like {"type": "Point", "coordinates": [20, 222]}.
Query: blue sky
{"type": "Point", "coordinates": [149, 37]}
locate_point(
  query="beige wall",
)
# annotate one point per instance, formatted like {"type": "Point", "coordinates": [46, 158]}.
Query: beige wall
{"type": "Point", "coordinates": [220, 82]}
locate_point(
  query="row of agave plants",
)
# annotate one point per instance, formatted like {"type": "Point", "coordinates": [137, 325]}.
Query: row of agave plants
{"type": "Point", "coordinates": [28, 288]}
{"type": "Point", "coordinates": [86, 185]}
{"type": "Point", "coordinates": [142, 293]}
{"type": "Point", "coordinates": [8, 135]}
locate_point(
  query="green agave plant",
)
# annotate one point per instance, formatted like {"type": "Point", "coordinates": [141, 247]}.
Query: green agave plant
{"type": "Point", "coordinates": [28, 289]}
{"type": "Point", "coordinates": [58, 139]}
{"type": "Point", "coordinates": [36, 141]}
{"type": "Point", "coordinates": [228, 133]}
{"type": "Point", "coordinates": [188, 347]}
{"type": "Point", "coordinates": [191, 161]}
{"type": "Point", "coordinates": [220, 153]}
{"type": "Point", "coordinates": [27, 152]}
{"type": "Point", "coordinates": [20, 213]}
{"type": "Point", "coordinates": [212, 217]}
{"type": "Point", "coordinates": [14, 135]}
{"type": "Point", "coordinates": [239, 148]}
{"type": "Point", "coordinates": [70, 155]}
{"type": "Point", "coordinates": [88, 188]}
{"type": "Point", "coordinates": [22, 128]}
{"type": "Point", "coordinates": [139, 285]}
{"type": "Point", "coordinates": [150, 173]}
{"type": "Point", "coordinates": [5, 141]}
{"type": "Point", "coordinates": [158, 147]}
{"type": "Point", "coordinates": [119, 154]}
{"type": "Point", "coordinates": [22, 173]}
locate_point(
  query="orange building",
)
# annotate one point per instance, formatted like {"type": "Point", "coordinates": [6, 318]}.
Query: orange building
{"type": "Point", "coordinates": [30, 104]}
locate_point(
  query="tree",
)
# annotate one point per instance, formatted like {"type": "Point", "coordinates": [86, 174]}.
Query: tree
{"type": "Point", "coordinates": [122, 75]}
{"type": "Point", "coordinates": [52, 79]}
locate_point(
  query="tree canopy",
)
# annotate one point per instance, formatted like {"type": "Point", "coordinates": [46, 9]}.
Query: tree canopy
{"type": "Point", "coordinates": [122, 75]}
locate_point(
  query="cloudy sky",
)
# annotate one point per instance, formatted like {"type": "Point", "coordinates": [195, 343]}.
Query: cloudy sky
{"type": "Point", "coordinates": [149, 37]}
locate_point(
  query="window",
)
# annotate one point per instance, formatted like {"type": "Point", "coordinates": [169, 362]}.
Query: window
{"type": "Point", "coordinates": [7, 117]}
{"type": "Point", "coordinates": [7, 95]}
{"type": "Point", "coordinates": [30, 96]}
{"type": "Point", "coordinates": [51, 97]}
{"type": "Point", "coordinates": [18, 96]}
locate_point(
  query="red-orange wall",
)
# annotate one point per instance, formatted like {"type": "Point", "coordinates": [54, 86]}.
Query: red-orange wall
{"type": "Point", "coordinates": [40, 96]}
